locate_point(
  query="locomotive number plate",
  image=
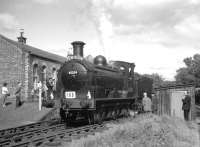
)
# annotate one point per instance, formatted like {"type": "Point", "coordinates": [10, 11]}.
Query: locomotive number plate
{"type": "Point", "coordinates": [73, 72]}
{"type": "Point", "coordinates": [70, 94]}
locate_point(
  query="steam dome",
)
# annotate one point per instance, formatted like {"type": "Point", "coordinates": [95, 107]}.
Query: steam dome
{"type": "Point", "coordinates": [100, 60]}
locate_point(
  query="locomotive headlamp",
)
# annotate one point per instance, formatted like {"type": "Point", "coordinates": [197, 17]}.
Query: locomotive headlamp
{"type": "Point", "coordinates": [89, 95]}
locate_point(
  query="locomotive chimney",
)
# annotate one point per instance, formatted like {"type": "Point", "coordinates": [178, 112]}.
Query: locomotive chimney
{"type": "Point", "coordinates": [78, 48]}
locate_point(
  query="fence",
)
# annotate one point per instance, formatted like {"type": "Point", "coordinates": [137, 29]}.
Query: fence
{"type": "Point", "coordinates": [168, 100]}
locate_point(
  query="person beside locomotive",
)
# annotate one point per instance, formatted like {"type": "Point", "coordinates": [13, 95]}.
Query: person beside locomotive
{"type": "Point", "coordinates": [186, 105]}
{"type": "Point", "coordinates": [50, 85]}
{"type": "Point", "coordinates": [146, 103]}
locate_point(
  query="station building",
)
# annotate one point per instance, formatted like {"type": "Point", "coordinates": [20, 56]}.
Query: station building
{"type": "Point", "coordinates": [20, 62]}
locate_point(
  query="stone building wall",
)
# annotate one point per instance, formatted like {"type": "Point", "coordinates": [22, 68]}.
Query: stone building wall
{"type": "Point", "coordinates": [11, 64]}
{"type": "Point", "coordinates": [26, 69]}
{"type": "Point", "coordinates": [17, 61]}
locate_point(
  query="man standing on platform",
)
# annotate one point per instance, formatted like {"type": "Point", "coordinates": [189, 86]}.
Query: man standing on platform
{"type": "Point", "coordinates": [146, 102]}
{"type": "Point", "coordinates": [18, 94]}
{"type": "Point", "coordinates": [186, 106]}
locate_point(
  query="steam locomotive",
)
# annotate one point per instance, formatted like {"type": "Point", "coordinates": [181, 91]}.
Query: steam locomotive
{"type": "Point", "coordinates": [94, 90]}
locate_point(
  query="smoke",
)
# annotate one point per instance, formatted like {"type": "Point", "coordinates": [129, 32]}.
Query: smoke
{"type": "Point", "coordinates": [45, 1]}
{"type": "Point", "coordinates": [102, 22]}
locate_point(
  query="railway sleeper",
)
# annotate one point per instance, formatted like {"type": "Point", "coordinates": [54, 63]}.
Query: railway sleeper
{"type": "Point", "coordinates": [37, 141]}
{"type": "Point", "coordinates": [19, 129]}
{"type": "Point", "coordinates": [20, 144]}
{"type": "Point", "coordinates": [5, 142]}
{"type": "Point", "coordinates": [17, 134]}
{"type": "Point", "coordinates": [63, 135]}
{"type": "Point", "coordinates": [56, 142]}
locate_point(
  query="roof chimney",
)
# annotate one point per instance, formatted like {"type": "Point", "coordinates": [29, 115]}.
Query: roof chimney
{"type": "Point", "coordinates": [78, 48]}
{"type": "Point", "coordinates": [21, 38]}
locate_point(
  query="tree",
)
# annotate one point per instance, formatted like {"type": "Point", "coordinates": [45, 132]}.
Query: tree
{"type": "Point", "coordinates": [190, 73]}
{"type": "Point", "coordinates": [158, 80]}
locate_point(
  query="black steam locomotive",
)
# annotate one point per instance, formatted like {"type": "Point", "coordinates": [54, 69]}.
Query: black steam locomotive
{"type": "Point", "coordinates": [94, 90]}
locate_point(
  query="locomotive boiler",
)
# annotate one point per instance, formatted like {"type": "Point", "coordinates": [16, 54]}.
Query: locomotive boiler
{"type": "Point", "coordinates": [94, 90]}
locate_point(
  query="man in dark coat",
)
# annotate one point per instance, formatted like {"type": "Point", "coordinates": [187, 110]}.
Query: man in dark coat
{"type": "Point", "coordinates": [18, 94]}
{"type": "Point", "coordinates": [50, 87]}
{"type": "Point", "coordinates": [186, 106]}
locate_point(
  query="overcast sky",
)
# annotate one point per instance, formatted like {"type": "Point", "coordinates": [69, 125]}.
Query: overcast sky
{"type": "Point", "coordinates": [154, 34]}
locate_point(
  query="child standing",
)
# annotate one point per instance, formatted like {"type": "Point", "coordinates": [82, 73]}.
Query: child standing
{"type": "Point", "coordinates": [5, 93]}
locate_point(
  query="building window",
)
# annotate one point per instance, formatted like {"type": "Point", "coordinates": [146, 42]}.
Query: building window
{"type": "Point", "coordinates": [35, 75]}
{"type": "Point", "coordinates": [44, 74]}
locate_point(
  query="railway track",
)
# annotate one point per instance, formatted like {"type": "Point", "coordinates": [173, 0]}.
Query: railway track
{"type": "Point", "coordinates": [24, 128]}
{"type": "Point", "coordinates": [49, 132]}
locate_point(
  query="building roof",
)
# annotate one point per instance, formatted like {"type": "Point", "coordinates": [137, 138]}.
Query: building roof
{"type": "Point", "coordinates": [36, 51]}
{"type": "Point", "coordinates": [174, 86]}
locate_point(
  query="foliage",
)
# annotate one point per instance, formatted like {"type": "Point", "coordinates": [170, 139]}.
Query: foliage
{"type": "Point", "coordinates": [147, 130]}
{"type": "Point", "coordinates": [48, 103]}
{"type": "Point", "coordinates": [190, 73]}
{"type": "Point", "coordinates": [158, 80]}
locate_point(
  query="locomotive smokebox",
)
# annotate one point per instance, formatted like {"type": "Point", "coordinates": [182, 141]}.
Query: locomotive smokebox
{"type": "Point", "coordinates": [78, 48]}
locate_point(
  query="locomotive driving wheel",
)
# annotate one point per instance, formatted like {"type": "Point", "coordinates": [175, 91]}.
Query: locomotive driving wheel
{"type": "Point", "coordinates": [98, 117]}
{"type": "Point", "coordinates": [117, 113]}
{"type": "Point", "coordinates": [91, 117]}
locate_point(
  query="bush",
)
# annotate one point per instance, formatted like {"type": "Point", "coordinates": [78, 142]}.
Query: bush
{"type": "Point", "coordinates": [146, 130]}
{"type": "Point", "coordinates": [48, 103]}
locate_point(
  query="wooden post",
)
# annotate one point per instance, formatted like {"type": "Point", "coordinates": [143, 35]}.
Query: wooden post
{"type": "Point", "coordinates": [40, 99]}
{"type": "Point", "coordinates": [40, 95]}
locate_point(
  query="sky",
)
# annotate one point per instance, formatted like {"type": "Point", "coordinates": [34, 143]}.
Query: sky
{"type": "Point", "coordinates": [156, 35]}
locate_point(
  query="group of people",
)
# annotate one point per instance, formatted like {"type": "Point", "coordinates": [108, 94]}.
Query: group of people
{"type": "Point", "coordinates": [47, 92]}
{"type": "Point", "coordinates": [147, 104]}
{"type": "Point", "coordinates": [5, 93]}
{"type": "Point", "coordinates": [47, 89]}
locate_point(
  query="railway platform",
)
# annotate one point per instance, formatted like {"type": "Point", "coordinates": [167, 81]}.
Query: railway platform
{"type": "Point", "coordinates": [198, 114]}
{"type": "Point", "coordinates": [27, 113]}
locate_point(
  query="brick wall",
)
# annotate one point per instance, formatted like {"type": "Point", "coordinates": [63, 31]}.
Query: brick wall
{"type": "Point", "coordinates": [11, 66]}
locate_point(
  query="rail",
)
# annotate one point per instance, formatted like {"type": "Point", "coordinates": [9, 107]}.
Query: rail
{"type": "Point", "coordinates": [48, 132]}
